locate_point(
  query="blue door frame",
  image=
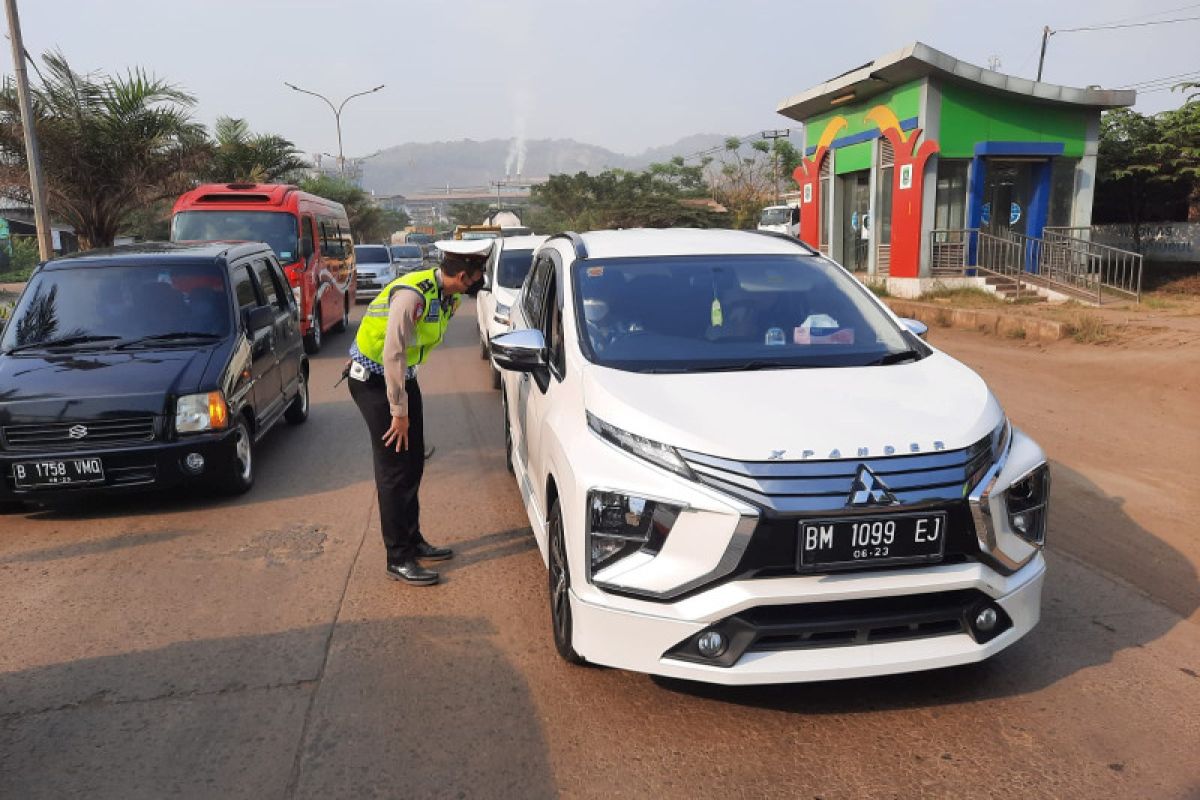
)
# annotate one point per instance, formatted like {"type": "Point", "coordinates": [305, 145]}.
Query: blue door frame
{"type": "Point", "coordinates": [1039, 203]}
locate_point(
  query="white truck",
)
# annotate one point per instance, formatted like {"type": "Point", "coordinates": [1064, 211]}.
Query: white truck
{"type": "Point", "coordinates": [781, 219]}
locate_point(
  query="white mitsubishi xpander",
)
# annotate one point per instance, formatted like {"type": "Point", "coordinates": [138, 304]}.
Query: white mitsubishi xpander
{"type": "Point", "coordinates": [741, 467]}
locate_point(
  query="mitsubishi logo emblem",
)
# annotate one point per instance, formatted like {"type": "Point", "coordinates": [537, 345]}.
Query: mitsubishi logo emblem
{"type": "Point", "coordinates": [869, 490]}
{"type": "Point", "coordinates": [77, 431]}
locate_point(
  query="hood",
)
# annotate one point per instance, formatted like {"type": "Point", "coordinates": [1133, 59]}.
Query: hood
{"type": "Point", "coordinates": [374, 269]}
{"type": "Point", "coordinates": [86, 385]}
{"type": "Point", "coordinates": [409, 262]}
{"type": "Point", "coordinates": [805, 413]}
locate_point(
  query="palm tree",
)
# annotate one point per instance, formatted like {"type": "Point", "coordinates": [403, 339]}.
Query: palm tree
{"type": "Point", "coordinates": [110, 144]}
{"type": "Point", "coordinates": [244, 157]}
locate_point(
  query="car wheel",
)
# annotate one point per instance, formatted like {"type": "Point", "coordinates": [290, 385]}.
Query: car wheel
{"type": "Point", "coordinates": [561, 621]}
{"type": "Point", "coordinates": [297, 412]}
{"type": "Point", "coordinates": [508, 442]}
{"type": "Point", "coordinates": [496, 378]}
{"type": "Point", "coordinates": [343, 324]}
{"type": "Point", "coordinates": [312, 340]}
{"type": "Point", "coordinates": [241, 475]}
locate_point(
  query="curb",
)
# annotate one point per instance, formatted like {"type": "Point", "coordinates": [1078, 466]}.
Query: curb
{"type": "Point", "coordinates": [1000, 323]}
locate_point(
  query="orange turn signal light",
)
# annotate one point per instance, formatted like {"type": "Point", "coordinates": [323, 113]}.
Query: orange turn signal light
{"type": "Point", "coordinates": [218, 411]}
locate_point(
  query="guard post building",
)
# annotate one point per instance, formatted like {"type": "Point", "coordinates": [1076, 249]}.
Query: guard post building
{"type": "Point", "coordinates": [917, 147]}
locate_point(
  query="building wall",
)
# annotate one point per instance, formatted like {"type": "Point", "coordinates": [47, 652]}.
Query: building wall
{"type": "Point", "coordinates": [970, 116]}
{"type": "Point", "coordinates": [904, 101]}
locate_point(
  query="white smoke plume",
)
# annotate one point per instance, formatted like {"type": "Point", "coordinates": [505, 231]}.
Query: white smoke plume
{"type": "Point", "coordinates": [514, 163]}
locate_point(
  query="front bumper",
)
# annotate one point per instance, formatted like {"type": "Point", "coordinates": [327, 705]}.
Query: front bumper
{"type": "Point", "coordinates": [644, 640]}
{"type": "Point", "coordinates": [157, 465]}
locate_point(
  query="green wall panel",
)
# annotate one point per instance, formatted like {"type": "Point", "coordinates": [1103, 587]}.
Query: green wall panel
{"type": "Point", "coordinates": [970, 116]}
{"type": "Point", "coordinates": [852, 158]}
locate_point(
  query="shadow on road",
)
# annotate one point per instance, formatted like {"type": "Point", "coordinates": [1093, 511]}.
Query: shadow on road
{"type": "Point", "coordinates": [404, 707]}
{"type": "Point", "coordinates": [1076, 631]}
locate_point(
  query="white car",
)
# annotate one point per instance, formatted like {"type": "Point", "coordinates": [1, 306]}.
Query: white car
{"type": "Point", "coordinates": [375, 270]}
{"type": "Point", "coordinates": [741, 467]}
{"type": "Point", "coordinates": [507, 267]}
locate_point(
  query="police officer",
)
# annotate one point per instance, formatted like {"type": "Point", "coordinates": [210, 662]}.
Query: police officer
{"type": "Point", "coordinates": [401, 327]}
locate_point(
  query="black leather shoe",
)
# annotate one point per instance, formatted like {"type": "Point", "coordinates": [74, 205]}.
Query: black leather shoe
{"type": "Point", "coordinates": [412, 572]}
{"type": "Point", "coordinates": [430, 553]}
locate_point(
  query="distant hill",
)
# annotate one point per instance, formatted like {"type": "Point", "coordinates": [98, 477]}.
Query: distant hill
{"type": "Point", "coordinates": [425, 166]}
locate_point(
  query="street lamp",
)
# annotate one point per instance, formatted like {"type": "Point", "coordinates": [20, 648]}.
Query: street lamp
{"type": "Point", "coordinates": [337, 116]}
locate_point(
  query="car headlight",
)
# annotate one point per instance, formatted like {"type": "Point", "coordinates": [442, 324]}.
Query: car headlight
{"type": "Point", "coordinates": [1026, 501]}
{"type": "Point", "coordinates": [621, 525]}
{"type": "Point", "coordinates": [658, 454]}
{"type": "Point", "coordinates": [196, 413]}
{"type": "Point", "coordinates": [501, 314]}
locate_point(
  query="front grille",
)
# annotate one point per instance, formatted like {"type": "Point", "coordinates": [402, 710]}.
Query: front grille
{"type": "Point", "coordinates": [805, 487]}
{"type": "Point", "coordinates": [85, 435]}
{"type": "Point", "coordinates": [844, 623]}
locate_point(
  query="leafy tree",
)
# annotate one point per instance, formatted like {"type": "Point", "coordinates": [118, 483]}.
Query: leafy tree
{"type": "Point", "coordinates": [468, 213]}
{"type": "Point", "coordinates": [244, 157]}
{"type": "Point", "coordinates": [745, 181]}
{"type": "Point", "coordinates": [368, 222]}
{"type": "Point", "coordinates": [1135, 183]}
{"type": "Point", "coordinates": [110, 144]}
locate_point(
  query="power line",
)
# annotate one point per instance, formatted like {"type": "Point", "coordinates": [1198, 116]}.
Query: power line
{"type": "Point", "coordinates": [1151, 14]}
{"type": "Point", "coordinates": [1125, 25]}
{"type": "Point", "coordinates": [1156, 80]}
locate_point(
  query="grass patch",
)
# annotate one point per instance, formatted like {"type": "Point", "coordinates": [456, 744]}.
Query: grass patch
{"type": "Point", "coordinates": [879, 289]}
{"type": "Point", "coordinates": [1015, 333]}
{"type": "Point", "coordinates": [16, 275]}
{"type": "Point", "coordinates": [6, 310]}
{"type": "Point", "coordinates": [1158, 304]}
{"type": "Point", "coordinates": [1089, 329]}
{"type": "Point", "coordinates": [963, 296]}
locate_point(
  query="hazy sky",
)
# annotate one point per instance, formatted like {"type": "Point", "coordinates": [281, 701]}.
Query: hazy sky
{"type": "Point", "coordinates": [625, 74]}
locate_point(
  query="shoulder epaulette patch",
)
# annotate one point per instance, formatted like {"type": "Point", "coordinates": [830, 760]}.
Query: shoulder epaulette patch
{"type": "Point", "coordinates": [426, 286]}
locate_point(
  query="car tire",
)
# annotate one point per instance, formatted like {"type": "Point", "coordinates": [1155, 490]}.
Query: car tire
{"type": "Point", "coordinates": [312, 339]}
{"type": "Point", "coordinates": [497, 381]}
{"type": "Point", "coordinates": [562, 624]}
{"type": "Point", "coordinates": [343, 324]}
{"type": "Point", "coordinates": [241, 475]}
{"type": "Point", "coordinates": [297, 412]}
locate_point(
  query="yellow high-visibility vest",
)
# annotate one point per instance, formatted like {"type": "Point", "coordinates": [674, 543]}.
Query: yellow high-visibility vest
{"type": "Point", "coordinates": [430, 328]}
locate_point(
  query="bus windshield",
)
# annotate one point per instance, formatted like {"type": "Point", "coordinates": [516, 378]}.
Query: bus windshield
{"type": "Point", "coordinates": [276, 228]}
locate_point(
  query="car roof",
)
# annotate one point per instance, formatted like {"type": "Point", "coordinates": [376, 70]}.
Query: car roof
{"type": "Point", "coordinates": [521, 242]}
{"type": "Point", "coordinates": [633, 242]}
{"type": "Point", "coordinates": [157, 253]}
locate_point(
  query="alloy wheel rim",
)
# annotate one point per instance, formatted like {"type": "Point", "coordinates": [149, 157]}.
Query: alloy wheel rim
{"type": "Point", "coordinates": [558, 588]}
{"type": "Point", "coordinates": [303, 392]}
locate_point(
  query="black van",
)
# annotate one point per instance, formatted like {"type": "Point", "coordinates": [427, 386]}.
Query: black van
{"type": "Point", "coordinates": [144, 366]}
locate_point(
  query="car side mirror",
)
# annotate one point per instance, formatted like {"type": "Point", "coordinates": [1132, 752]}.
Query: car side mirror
{"type": "Point", "coordinates": [520, 351]}
{"type": "Point", "coordinates": [306, 247]}
{"type": "Point", "coordinates": [915, 327]}
{"type": "Point", "coordinates": [258, 318]}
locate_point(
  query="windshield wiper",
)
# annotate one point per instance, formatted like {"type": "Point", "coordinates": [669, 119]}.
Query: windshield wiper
{"type": "Point", "coordinates": [66, 341]}
{"type": "Point", "coordinates": [751, 366]}
{"type": "Point", "coordinates": [172, 336]}
{"type": "Point", "coordinates": [896, 358]}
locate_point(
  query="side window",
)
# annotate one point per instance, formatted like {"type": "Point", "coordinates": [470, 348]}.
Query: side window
{"type": "Point", "coordinates": [535, 291]}
{"type": "Point", "coordinates": [552, 327]}
{"type": "Point", "coordinates": [327, 239]}
{"type": "Point", "coordinates": [273, 293]}
{"type": "Point", "coordinates": [307, 229]}
{"type": "Point", "coordinates": [243, 288]}
{"type": "Point", "coordinates": [285, 287]}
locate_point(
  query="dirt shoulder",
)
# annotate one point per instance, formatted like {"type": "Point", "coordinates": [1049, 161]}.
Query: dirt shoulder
{"type": "Point", "coordinates": [1119, 423]}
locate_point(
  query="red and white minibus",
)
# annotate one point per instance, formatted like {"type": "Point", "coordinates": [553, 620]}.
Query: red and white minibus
{"type": "Point", "coordinates": [310, 235]}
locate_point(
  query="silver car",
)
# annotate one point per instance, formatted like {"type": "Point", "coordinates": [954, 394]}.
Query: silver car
{"type": "Point", "coordinates": [375, 269]}
{"type": "Point", "coordinates": [407, 257]}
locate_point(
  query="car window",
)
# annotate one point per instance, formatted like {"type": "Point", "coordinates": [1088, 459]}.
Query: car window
{"type": "Point", "coordinates": [243, 287]}
{"type": "Point", "coordinates": [112, 303]}
{"type": "Point", "coordinates": [535, 291]}
{"type": "Point", "coordinates": [513, 267]}
{"type": "Point", "coordinates": [692, 313]}
{"type": "Point", "coordinates": [552, 328]}
{"type": "Point", "coordinates": [406, 251]}
{"type": "Point", "coordinates": [273, 292]}
{"type": "Point", "coordinates": [371, 254]}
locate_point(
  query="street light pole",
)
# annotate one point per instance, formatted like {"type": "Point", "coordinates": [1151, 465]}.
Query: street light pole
{"type": "Point", "coordinates": [37, 180]}
{"type": "Point", "coordinates": [1046, 34]}
{"type": "Point", "coordinates": [337, 117]}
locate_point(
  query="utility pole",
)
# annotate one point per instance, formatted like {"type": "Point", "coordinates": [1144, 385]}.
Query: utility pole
{"type": "Point", "coordinates": [1046, 34]}
{"type": "Point", "coordinates": [37, 181]}
{"type": "Point", "coordinates": [773, 135]}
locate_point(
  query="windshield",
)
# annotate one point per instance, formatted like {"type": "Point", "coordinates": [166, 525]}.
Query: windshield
{"type": "Point", "coordinates": [278, 229]}
{"type": "Point", "coordinates": [472, 235]}
{"type": "Point", "coordinates": [730, 312]}
{"type": "Point", "coordinates": [120, 304]}
{"type": "Point", "coordinates": [406, 251]}
{"type": "Point", "coordinates": [371, 254]}
{"type": "Point", "coordinates": [420, 238]}
{"type": "Point", "coordinates": [776, 216]}
{"type": "Point", "coordinates": [514, 266]}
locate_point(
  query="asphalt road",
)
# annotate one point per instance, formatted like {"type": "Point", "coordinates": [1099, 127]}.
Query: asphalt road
{"type": "Point", "coordinates": [199, 647]}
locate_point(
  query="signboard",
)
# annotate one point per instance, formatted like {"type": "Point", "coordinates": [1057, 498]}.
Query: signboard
{"type": "Point", "coordinates": [1014, 213]}
{"type": "Point", "coordinates": [4, 234]}
{"type": "Point", "coordinates": [985, 214]}
{"type": "Point", "coordinates": [808, 192]}
{"type": "Point", "coordinates": [906, 176]}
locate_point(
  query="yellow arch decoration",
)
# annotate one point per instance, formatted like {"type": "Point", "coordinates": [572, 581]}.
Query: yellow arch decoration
{"type": "Point", "coordinates": [884, 118]}
{"type": "Point", "coordinates": [831, 131]}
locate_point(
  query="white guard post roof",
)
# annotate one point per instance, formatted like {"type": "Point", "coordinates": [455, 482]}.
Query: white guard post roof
{"type": "Point", "coordinates": [465, 247]}
{"type": "Point", "coordinates": [919, 60]}
{"type": "Point", "coordinates": [686, 242]}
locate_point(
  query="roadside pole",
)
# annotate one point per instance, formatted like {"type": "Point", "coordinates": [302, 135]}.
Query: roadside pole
{"type": "Point", "coordinates": [37, 181]}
